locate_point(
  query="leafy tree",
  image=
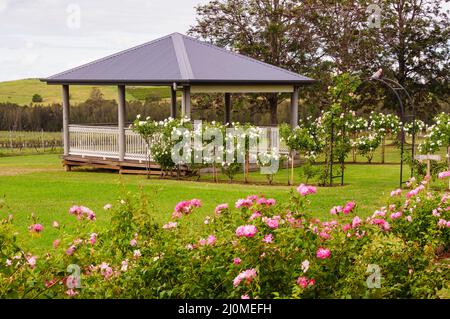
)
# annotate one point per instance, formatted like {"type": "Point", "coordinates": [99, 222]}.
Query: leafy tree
{"type": "Point", "coordinates": [96, 95]}
{"type": "Point", "coordinates": [271, 31]}
{"type": "Point", "coordinates": [37, 98]}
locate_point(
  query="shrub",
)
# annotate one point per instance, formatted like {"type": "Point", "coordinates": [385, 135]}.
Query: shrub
{"type": "Point", "coordinates": [37, 98]}
{"type": "Point", "coordinates": [258, 249]}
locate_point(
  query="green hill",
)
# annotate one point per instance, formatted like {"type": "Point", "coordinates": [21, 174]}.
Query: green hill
{"type": "Point", "coordinates": [22, 91]}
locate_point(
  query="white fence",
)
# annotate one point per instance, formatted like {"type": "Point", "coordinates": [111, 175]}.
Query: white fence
{"type": "Point", "coordinates": [102, 141]}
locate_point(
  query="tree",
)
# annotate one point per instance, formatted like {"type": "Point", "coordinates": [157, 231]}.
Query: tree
{"type": "Point", "coordinates": [415, 37]}
{"type": "Point", "coordinates": [96, 95]}
{"type": "Point", "coordinates": [271, 31]}
{"type": "Point", "coordinates": [37, 98]}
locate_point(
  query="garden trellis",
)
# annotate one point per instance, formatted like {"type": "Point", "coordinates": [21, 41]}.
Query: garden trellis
{"type": "Point", "coordinates": [403, 98]}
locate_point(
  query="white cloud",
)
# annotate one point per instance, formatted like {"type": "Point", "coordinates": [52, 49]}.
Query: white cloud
{"type": "Point", "coordinates": [36, 40]}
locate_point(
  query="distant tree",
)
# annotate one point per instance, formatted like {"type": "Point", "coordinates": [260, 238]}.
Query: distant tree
{"type": "Point", "coordinates": [415, 37]}
{"type": "Point", "coordinates": [96, 95]}
{"type": "Point", "coordinates": [37, 98]}
{"type": "Point", "coordinates": [271, 31]}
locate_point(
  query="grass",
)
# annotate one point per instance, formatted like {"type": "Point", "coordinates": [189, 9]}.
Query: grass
{"type": "Point", "coordinates": [21, 92]}
{"type": "Point", "coordinates": [37, 184]}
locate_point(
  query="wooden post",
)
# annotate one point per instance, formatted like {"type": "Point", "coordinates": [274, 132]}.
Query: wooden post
{"type": "Point", "coordinates": [294, 108]}
{"type": "Point", "coordinates": [66, 105]}
{"type": "Point", "coordinates": [428, 158]}
{"type": "Point", "coordinates": [227, 108]}
{"type": "Point", "coordinates": [186, 102]}
{"type": "Point", "coordinates": [121, 122]}
{"type": "Point", "coordinates": [173, 109]}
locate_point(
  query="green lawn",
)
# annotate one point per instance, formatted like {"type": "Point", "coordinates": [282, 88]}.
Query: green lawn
{"type": "Point", "coordinates": [21, 92]}
{"type": "Point", "coordinates": [37, 184]}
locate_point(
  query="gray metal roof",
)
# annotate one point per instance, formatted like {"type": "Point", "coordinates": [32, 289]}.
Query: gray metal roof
{"type": "Point", "coordinates": [176, 58]}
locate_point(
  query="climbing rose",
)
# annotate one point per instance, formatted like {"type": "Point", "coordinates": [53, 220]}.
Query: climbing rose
{"type": "Point", "coordinates": [302, 282]}
{"type": "Point", "coordinates": [336, 210]}
{"type": "Point", "coordinates": [71, 292]}
{"type": "Point", "coordinates": [268, 239]}
{"type": "Point", "coordinates": [211, 240]}
{"type": "Point", "coordinates": [356, 222]}
{"type": "Point", "coordinates": [220, 208]}
{"type": "Point", "coordinates": [272, 222]}
{"type": "Point", "coordinates": [82, 212]}
{"type": "Point", "coordinates": [348, 207]}
{"type": "Point", "coordinates": [185, 207]}
{"type": "Point", "coordinates": [247, 275]}
{"type": "Point", "coordinates": [323, 253]}
{"type": "Point", "coordinates": [254, 215]}
{"type": "Point", "coordinates": [396, 215]}
{"type": "Point", "coordinates": [31, 260]}
{"type": "Point", "coordinates": [246, 230]}
{"type": "Point", "coordinates": [245, 297]}
{"type": "Point", "coordinates": [56, 243]}
{"type": "Point", "coordinates": [93, 238]}
{"type": "Point", "coordinates": [71, 250]}
{"type": "Point", "coordinates": [415, 191]}
{"type": "Point", "coordinates": [237, 261]}
{"type": "Point", "coordinates": [36, 228]}
{"type": "Point", "coordinates": [106, 271]}
{"type": "Point", "coordinates": [304, 190]}
{"type": "Point", "coordinates": [384, 225]}
{"type": "Point", "coordinates": [107, 207]}
{"type": "Point", "coordinates": [443, 175]}
{"type": "Point", "coordinates": [55, 224]}
{"type": "Point", "coordinates": [170, 225]}
{"type": "Point", "coordinates": [396, 192]}
{"type": "Point", "coordinates": [244, 203]}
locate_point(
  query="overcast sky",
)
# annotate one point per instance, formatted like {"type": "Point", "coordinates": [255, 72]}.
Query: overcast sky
{"type": "Point", "coordinates": [39, 38]}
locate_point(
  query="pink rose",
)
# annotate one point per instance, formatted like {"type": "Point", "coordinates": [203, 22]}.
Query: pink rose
{"type": "Point", "coordinates": [323, 253]}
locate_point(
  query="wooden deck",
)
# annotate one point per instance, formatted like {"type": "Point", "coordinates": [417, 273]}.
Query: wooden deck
{"type": "Point", "coordinates": [123, 167]}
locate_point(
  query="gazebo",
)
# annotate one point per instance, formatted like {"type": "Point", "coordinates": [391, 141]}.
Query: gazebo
{"type": "Point", "coordinates": [180, 62]}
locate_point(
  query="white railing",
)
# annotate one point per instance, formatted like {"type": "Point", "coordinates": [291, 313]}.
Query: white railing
{"type": "Point", "coordinates": [98, 141]}
{"type": "Point", "coordinates": [135, 148]}
{"type": "Point", "coordinates": [102, 141]}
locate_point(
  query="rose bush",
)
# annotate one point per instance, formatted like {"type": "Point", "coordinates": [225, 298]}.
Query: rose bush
{"type": "Point", "coordinates": [254, 248]}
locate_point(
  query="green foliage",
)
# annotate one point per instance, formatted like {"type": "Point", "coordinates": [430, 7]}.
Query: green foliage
{"type": "Point", "coordinates": [37, 98]}
{"type": "Point", "coordinates": [230, 170]}
{"type": "Point", "coordinates": [438, 134]}
{"type": "Point", "coordinates": [309, 171]}
{"type": "Point", "coordinates": [137, 257]}
{"type": "Point", "coordinates": [366, 145]}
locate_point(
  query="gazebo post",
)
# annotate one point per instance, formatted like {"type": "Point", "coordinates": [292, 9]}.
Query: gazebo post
{"type": "Point", "coordinates": [121, 120]}
{"type": "Point", "coordinates": [66, 110]}
{"type": "Point", "coordinates": [227, 108]}
{"type": "Point", "coordinates": [186, 102]}
{"type": "Point", "coordinates": [173, 107]}
{"type": "Point", "coordinates": [294, 108]}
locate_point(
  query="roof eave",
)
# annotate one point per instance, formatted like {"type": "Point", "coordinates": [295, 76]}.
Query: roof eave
{"type": "Point", "coordinates": [170, 82]}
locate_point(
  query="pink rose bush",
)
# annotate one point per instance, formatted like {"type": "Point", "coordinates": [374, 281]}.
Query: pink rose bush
{"type": "Point", "coordinates": [186, 207]}
{"type": "Point", "coordinates": [82, 212]}
{"type": "Point", "coordinates": [256, 248]}
{"type": "Point", "coordinates": [305, 190]}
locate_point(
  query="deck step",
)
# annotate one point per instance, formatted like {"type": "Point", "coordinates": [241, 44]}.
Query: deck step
{"type": "Point", "coordinates": [125, 167]}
